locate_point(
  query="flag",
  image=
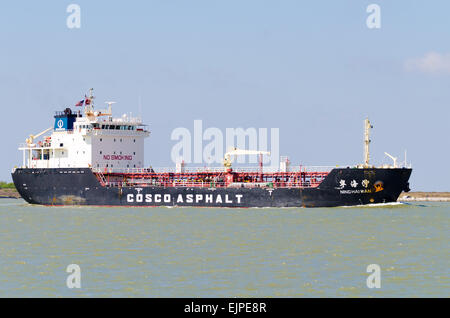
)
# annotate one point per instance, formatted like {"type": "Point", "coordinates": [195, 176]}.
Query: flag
{"type": "Point", "coordinates": [80, 103]}
{"type": "Point", "coordinates": [88, 101]}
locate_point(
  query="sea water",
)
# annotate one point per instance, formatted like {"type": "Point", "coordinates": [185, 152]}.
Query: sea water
{"type": "Point", "coordinates": [209, 252]}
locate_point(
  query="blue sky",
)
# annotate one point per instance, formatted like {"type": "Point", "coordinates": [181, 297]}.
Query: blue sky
{"type": "Point", "coordinates": [311, 68]}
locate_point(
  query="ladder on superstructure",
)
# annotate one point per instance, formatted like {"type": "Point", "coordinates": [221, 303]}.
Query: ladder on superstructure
{"type": "Point", "coordinates": [101, 178]}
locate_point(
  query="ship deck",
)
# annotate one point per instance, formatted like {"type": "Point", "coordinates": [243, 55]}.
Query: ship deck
{"type": "Point", "coordinates": [296, 177]}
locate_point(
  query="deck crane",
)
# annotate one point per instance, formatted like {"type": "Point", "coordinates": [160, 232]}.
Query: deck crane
{"type": "Point", "coordinates": [235, 152]}
{"type": "Point", "coordinates": [393, 159]}
{"type": "Point", "coordinates": [30, 140]}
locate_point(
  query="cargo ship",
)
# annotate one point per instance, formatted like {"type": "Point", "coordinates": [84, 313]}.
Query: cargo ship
{"type": "Point", "coordinates": [93, 158]}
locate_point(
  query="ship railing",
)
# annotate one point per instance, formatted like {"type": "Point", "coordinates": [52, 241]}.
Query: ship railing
{"type": "Point", "coordinates": [188, 169]}
{"type": "Point", "coordinates": [137, 121]}
{"type": "Point", "coordinates": [150, 183]}
{"type": "Point", "coordinates": [313, 168]}
{"type": "Point", "coordinates": [211, 184]}
{"type": "Point", "coordinates": [292, 169]}
{"type": "Point", "coordinates": [158, 170]}
{"type": "Point", "coordinates": [67, 131]}
{"type": "Point", "coordinates": [37, 145]}
{"type": "Point", "coordinates": [118, 133]}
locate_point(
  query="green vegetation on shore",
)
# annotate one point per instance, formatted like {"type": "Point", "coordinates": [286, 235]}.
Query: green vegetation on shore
{"type": "Point", "coordinates": [6, 185]}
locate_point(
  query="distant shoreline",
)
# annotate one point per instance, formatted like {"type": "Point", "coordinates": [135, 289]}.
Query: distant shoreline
{"type": "Point", "coordinates": [425, 196]}
{"type": "Point", "coordinates": [9, 193]}
{"type": "Point", "coordinates": [407, 197]}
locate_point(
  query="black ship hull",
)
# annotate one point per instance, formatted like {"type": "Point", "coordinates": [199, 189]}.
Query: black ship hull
{"type": "Point", "coordinates": [342, 187]}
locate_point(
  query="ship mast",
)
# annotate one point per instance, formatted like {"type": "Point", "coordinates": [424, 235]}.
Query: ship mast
{"type": "Point", "coordinates": [89, 108]}
{"type": "Point", "coordinates": [367, 127]}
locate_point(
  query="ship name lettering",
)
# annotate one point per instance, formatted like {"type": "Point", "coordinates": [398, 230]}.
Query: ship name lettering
{"type": "Point", "coordinates": [188, 198]}
{"type": "Point", "coordinates": [354, 191]}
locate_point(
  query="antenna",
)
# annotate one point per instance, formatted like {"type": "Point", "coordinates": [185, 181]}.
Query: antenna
{"type": "Point", "coordinates": [109, 106]}
{"type": "Point", "coordinates": [140, 106]}
{"type": "Point", "coordinates": [406, 164]}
